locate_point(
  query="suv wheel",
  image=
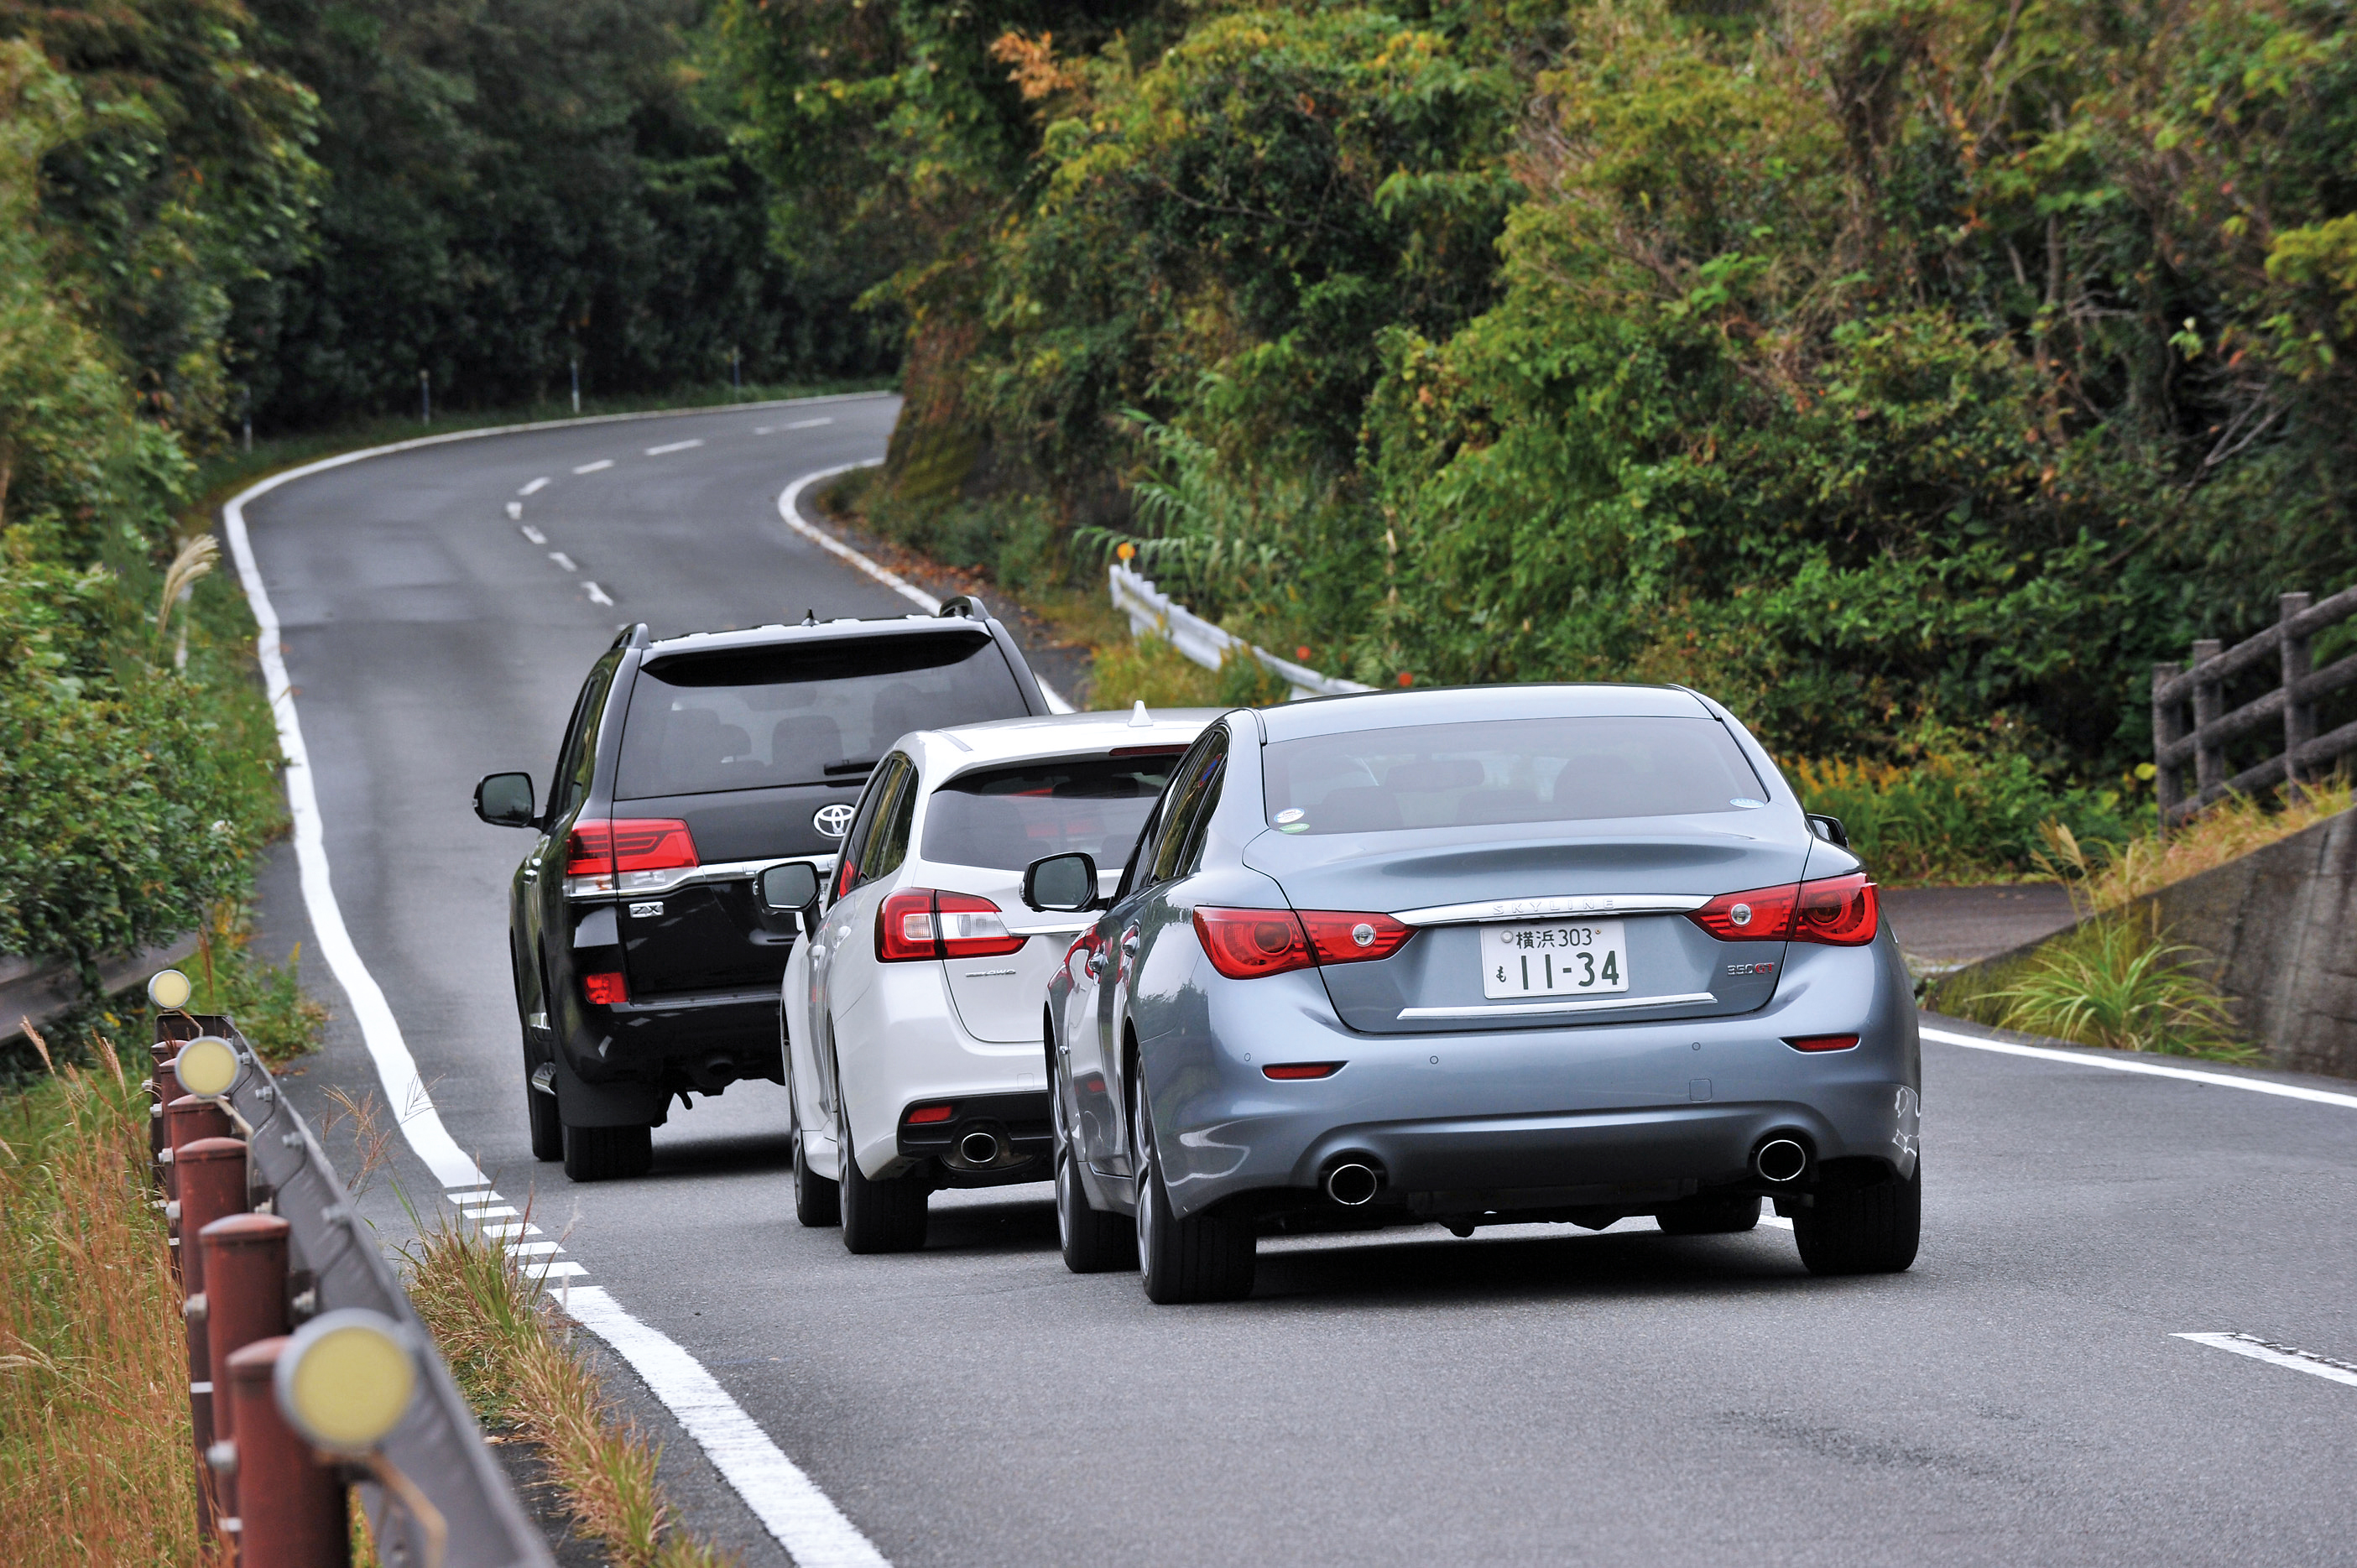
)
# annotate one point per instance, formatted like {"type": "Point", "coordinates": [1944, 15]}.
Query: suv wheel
{"type": "Point", "coordinates": [1710, 1217]}
{"type": "Point", "coordinates": [608, 1154]}
{"type": "Point", "coordinates": [1863, 1230]}
{"type": "Point", "coordinates": [886, 1216]}
{"type": "Point", "coordinates": [1202, 1258]}
{"type": "Point", "coordinates": [1094, 1242]}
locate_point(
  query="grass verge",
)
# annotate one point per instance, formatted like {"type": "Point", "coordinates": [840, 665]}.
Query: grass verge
{"type": "Point", "coordinates": [2116, 981]}
{"type": "Point", "coordinates": [520, 1366]}
{"type": "Point", "coordinates": [96, 1460]}
{"type": "Point", "coordinates": [2105, 876]}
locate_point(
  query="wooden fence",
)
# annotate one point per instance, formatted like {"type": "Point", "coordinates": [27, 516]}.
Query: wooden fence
{"type": "Point", "coordinates": [2282, 648]}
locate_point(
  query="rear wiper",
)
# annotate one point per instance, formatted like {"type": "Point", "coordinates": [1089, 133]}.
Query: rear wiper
{"type": "Point", "coordinates": [849, 768]}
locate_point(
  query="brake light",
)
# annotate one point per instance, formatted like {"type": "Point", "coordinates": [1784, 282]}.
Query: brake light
{"type": "Point", "coordinates": [605, 990]}
{"type": "Point", "coordinates": [1824, 1042]}
{"type": "Point", "coordinates": [1840, 911]}
{"type": "Point", "coordinates": [626, 854]}
{"type": "Point", "coordinates": [1843, 911]}
{"type": "Point", "coordinates": [1244, 944]}
{"type": "Point", "coordinates": [920, 923]}
{"type": "Point", "coordinates": [925, 1115]}
{"type": "Point", "coordinates": [1285, 1072]}
{"type": "Point", "coordinates": [1338, 937]}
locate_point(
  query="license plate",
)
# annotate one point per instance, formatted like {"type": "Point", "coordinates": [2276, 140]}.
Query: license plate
{"type": "Point", "coordinates": [1564, 958]}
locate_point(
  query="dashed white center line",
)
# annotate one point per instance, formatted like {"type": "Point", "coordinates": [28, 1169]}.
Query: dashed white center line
{"type": "Point", "coordinates": [593, 467]}
{"type": "Point", "coordinates": [597, 594]}
{"type": "Point", "coordinates": [675, 447]}
{"type": "Point", "coordinates": [2274, 1355]}
{"type": "Point", "coordinates": [536, 535]}
{"type": "Point", "coordinates": [562, 559]}
{"type": "Point", "coordinates": [807, 423]}
{"type": "Point", "coordinates": [535, 487]}
{"type": "Point", "coordinates": [515, 509]}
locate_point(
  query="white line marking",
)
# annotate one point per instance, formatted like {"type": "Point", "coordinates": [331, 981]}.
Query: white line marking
{"type": "Point", "coordinates": [2128, 1064]}
{"type": "Point", "coordinates": [600, 464]}
{"type": "Point", "coordinates": [790, 510]}
{"type": "Point", "coordinates": [763, 429]}
{"type": "Point", "coordinates": [535, 488]}
{"type": "Point", "coordinates": [598, 596]}
{"type": "Point", "coordinates": [515, 511]}
{"type": "Point", "coordinates": [502, 1232]}
{"type": "Point", "coordinates": [470, 1199]}
{"type": "Point", "coordinates": [809, 423]}
{"type": "Point", "coordinates": [412, 1108]}
{"type": "Point", "coordinates": [675, 447]}
{"type": "Point", "coordinates": [2274, 1355]}
{"type": "Point", "coordinates": [533, 1248]}
{"type": "Point", "coordinates": [489, 1210]}
{"type": "Point", "coordinates": [562, 559]}
{"type": "Point", "coordinates": [804, 1521]}
{"type": "Point", "coordinates": [536, 535]}
{"type": "Point", "coordinates": [557, 1269]}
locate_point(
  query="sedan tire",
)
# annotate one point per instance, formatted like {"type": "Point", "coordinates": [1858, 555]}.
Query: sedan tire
{"type": "Point", "coordinates": [886, 1216]}
{"type": "Point", "coordinates": [1863, 1230]}
{"type": "Point", "coordinates": [1204, 1257]}
{"type": "Point", "coordinates": [608, 1154]}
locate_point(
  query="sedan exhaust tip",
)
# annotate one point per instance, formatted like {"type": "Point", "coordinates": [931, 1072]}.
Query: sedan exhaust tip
{"type": "Point", "coordinates": [1780, 1159]}
{"type": "Point", "coordinates": [1354, 1183]}
{"type": "Point", "coordinates": [978, 1148]}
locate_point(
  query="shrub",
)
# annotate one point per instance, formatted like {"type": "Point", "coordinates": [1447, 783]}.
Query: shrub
{"type": "Point", "coordinates": [1951, 816]}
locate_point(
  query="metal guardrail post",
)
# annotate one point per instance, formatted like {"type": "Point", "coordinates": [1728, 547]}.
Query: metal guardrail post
{"type": "Point", "coordinates": [291, 1506]}
{"type": "Point", "coordinates": [162, 1087]}
{"type": "Point", "coordinates": [246, 1300]}
{"type": "Point", "coordinates": [2299, 718]}
{"type": "Point", "coordinates": [186, 1120]}
{"type": "Point", "coordinates": [213, 1182]}
{"type": "Point", "coordinates": [2209, 755]}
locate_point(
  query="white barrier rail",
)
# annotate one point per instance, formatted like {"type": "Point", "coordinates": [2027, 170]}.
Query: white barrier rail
{"type": "Point", "coordinates": [1151, 611]}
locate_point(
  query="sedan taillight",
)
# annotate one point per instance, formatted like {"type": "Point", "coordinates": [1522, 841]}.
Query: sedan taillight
{"type": "Point", "coordinates": [920, 923]}
{"type": "Point", "coordinates": [1839, 911]}
{"type": "Point", "coordinates": [1244, 944]}
{"type": "Point", "coordinates": [1339, 937]}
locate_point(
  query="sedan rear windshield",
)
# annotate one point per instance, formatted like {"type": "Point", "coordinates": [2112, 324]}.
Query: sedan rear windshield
{"type": "Point", "coordinates": [1005, 818]}
{"type": "Point", "coordinates": [821, 714]}
{"type": "Point", "coordinates": [1498, 772]}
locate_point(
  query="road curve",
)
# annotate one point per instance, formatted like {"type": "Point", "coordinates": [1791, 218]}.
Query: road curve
{"type": "Point", "coordinates": [1534, 1394]}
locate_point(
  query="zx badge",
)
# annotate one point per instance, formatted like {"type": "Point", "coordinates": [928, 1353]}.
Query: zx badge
{"type": "Point", "coordinates": [1750, 969]}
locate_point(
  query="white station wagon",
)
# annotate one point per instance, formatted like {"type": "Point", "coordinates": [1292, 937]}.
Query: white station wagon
{"type": "Point", "coordinates": [912, 1011]}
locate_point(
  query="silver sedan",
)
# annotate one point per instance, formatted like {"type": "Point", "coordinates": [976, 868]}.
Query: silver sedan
{"type": "Point", "coordinates": [1476, 957]}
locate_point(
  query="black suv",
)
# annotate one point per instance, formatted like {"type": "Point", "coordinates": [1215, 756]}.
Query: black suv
{"type": "Point", "coordinates": [647, 965]}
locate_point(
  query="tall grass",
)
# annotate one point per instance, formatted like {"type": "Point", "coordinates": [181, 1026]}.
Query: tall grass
{"type": "Point", "coordinates": [96, 1460]}
{"type": "Point", "coordinates": [517, 1360]}
{"type": "Point", "coordinates": [2116, 981]}
{"type": "Point", "coordinates": [2105, 876]}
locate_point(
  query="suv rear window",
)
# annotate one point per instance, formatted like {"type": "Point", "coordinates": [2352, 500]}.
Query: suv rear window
{"type": "Point", "coordinates": [1496, 772]}
{"type": "Point", "coordinates": [1005, 818]}
{"type": "Point", "coordinates": [821, 713]}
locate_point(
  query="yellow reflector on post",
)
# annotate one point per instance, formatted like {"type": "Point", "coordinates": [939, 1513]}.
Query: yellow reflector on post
{"type": "Point", "coordinates": [169, 989]}
{"type": "Point", "coordinates": [346, 1380]}
{"type": "Point", "coordinates": [207, 1066]}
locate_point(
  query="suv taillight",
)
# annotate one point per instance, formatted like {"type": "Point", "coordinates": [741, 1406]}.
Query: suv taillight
{"type": "Point", "coordinates": [1839, 911]}
{"type": "Point", "coordinates": [920, 923]}
{"type": "Point", "coordinates": [626, 853]}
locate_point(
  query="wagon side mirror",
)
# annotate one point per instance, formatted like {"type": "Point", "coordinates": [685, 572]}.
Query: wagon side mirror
{"type": "Point", "coordinates": [1061, 884]}
{"type": "Point", "coordinates": [505, 801]}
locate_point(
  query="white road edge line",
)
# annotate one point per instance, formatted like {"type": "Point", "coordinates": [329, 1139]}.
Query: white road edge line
{"type": "Point", "coordinates": [515, 511]}
{"type": "Point", "coordinates": [599, 466]}
{"type": "Point", "coordinates": [2275, 1355]}
{"type": "Point", "coordinates": [789, 510]}
{"type": "Point", "coordinates": [777, 1490]}
{"type": "Point", "coordinates": [674, 446]}
{"type": "Point", "coordinates": [809, 423]}
{"type": "Point", "coordinates": [562, 559]}
{"type": "Point", "coordinates": [788, 1502]}
{"type": "Point", "coordinates": [2130, 1063]}
{"type": "Point", "coordinates": [598, 595]}
{"type": "Point", "coordinates": [535, 487]}
{"type": "Point", "coordinates": [536, 535]}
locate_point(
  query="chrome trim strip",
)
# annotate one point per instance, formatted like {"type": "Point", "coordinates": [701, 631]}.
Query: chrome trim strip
{"type": "Point", "coordinates": [1590, 1005]}
{"type": "Point", "coordinates": [1057, 930]}
{"type": "Point", "coordinates": [591, 888]}
{"type": "Point", "coordinates": [1575, 904]}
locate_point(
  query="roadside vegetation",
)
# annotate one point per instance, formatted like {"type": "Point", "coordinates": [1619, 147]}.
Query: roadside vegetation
{"type": "Point", "coordinates": [520, 1366]}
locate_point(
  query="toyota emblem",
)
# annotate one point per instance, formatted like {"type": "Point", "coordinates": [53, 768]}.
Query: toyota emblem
{"type": "Point", "coordinates": [832, 821]}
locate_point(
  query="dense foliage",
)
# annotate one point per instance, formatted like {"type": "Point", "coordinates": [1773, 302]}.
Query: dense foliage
{"type": "Point", "coordinates": [1894, 369]}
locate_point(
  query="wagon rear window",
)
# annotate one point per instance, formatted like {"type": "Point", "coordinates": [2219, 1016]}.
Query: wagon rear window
{"type": "Point", "coordinates": [1005, 818]}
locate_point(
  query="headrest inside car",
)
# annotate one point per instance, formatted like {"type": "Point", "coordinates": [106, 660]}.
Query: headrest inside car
{"type": "Point", "coordinates": [1430, 778]}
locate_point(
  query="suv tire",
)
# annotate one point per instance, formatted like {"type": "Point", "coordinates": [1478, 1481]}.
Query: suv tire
{"type": "Point", "coordinates": [608, 1154]}
{"type": "Point", "coordinates": [1710, 1217]}
{"type": "Point", "coordinates": [1862, 1230]}
{"type": "Point", "coordinates": [886, 1216]}
{"type": "Point", "coordinates": [1206, 1257]}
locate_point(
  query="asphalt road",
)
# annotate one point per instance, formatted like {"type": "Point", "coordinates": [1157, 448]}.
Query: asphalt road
{"type": "Point", "coordinates": [1534, 1395]}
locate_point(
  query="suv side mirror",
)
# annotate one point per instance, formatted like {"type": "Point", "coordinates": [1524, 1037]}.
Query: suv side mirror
{"type": "Point", "coordinates": [504, 800]}
{"type": "Point", "coordinates": [1061, 884]}
{"type": "Point", "coordinates": [789, 888]}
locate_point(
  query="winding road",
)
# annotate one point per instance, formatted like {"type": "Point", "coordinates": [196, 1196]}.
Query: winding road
{"type": "Point", "coordinates": [1532, 1395]}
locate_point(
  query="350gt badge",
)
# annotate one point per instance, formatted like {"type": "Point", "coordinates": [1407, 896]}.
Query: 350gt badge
{"type": "Point", "coordinates": [832, 821]}
{"type": "Point", "coordinates": [1750, 969]}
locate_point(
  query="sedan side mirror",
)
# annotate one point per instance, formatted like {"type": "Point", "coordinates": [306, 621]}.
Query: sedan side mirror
{"type": "Point", "coordinates": [1061, 884]}
{"type": "Point", "coordinates": [1829, 829]}
{"type": "Point", "coordinates": [788, 889]}
{"type": "Point", "coordinates": [505, 801]}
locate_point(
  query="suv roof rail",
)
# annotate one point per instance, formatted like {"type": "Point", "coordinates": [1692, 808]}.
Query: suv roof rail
{"type": "Point", "coordinates": [967, 605]}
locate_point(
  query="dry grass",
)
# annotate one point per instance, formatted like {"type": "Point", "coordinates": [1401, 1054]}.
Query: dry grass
{"type": "Point", "coordinates": [2104, 878]}
{"type": "Point", "coordinates": [517, 1359]}
{"type": "Point", "coordinates": [96, 1461]}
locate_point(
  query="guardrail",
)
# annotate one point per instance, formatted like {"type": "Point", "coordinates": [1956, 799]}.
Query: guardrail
{"type": "Point", "coordinates": [265, 1242]}
{"type": "Point", "coordinates": [1151, 611]}
{"type": "Point", "coordinates": [2284, 648]}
